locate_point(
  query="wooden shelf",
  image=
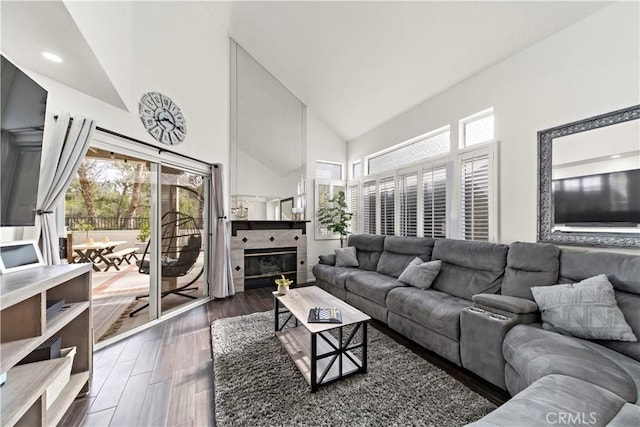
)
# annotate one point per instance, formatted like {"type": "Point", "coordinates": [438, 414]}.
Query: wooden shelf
{"type": "Point", "coordinates": [24, 326]}
{"type": "Point", "coordinates": [19, 394]}
{"type": "Point", "coordinates": [67, 396]}
{"type": "Point", "coordinates": [14, 351]}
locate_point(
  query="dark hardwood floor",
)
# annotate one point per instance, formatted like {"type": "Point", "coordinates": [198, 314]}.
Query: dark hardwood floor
{"type": "Point", "coordinates": [163, 376]}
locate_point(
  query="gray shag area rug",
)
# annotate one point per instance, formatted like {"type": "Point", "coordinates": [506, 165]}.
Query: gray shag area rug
{"type": "Point", "coordinates": [257, 384]}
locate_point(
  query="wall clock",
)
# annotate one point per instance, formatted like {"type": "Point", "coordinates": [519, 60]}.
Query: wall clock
{"type": "Point", "coordinates": [162, 118]}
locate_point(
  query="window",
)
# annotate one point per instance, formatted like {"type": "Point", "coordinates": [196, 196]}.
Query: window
{"type": "Point", "coordinates": [408, 194]}
{"type": "Point", "coordinates": [369, 207]}
{"type": "Point", "coordinates": [386, 189]}
{"type": "Point", "coordinates": [430, 145]}
{"type": "Point", "coordinates": [475, 196]}
{"type": "Point", "coordinates": [328, 170]}
{"type": "Point", "coordinates": [434, 195]}
{"type": "Point", "coordinates": [477, 128]}
{"type": "Point", "coordinates": [356, 169]}
{"type": "Point", "coordinates": [325, 191]}
{"type": "Point", "coordinates": [354, 197]}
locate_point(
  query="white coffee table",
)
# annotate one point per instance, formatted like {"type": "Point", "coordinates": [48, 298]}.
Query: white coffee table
{"type": "Point", "coordinates": [320, 357]}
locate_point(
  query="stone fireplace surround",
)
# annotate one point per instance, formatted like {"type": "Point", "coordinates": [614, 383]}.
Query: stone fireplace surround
{"type": "Point", "coordinates": [266, 236]}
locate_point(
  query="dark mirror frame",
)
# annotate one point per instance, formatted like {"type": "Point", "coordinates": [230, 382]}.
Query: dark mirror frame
{"type": "Point", "coordinates": [545, 196]}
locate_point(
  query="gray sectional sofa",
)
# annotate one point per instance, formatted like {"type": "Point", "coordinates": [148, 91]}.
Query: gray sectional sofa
{"type": "Point", "coordinates": [480, 314]}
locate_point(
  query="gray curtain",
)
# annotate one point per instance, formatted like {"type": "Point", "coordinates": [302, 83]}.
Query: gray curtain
{"type": "Point", "coordinates": [60, 164]}
{"type": "Point", "coordinates": [222, 277]}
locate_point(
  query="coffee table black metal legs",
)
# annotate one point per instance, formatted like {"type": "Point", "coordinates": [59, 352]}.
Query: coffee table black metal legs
{"type": "Point", "coordinates": [342, 362]}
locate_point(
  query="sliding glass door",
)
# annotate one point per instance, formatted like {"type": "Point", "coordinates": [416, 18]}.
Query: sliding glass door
{"type": "Point", "coordinates": [142, 222]}
{"type": "Point", "coordinates": [184, 245]}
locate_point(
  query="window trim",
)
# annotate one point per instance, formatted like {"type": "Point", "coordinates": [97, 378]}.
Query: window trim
{"type": "Point", "coordinates": [492, 151]}
{"type": "Point", "coordinates": [329, 162]}
{"type": "Point", "coordinates": [427, 135]}
{"type": "Point", "coordinates": [332, 183]}
{"type": "Point", "coordinates": [462, 137]}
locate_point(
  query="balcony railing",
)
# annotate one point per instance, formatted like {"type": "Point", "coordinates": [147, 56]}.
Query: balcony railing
{"type": "Point", "coordinates": [111, 223]}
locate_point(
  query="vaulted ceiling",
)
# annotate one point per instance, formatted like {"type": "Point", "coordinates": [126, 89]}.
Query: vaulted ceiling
{"type": "Point", "coordinates": [355, 64]}
{"type": "Point", "coordinates": [359, 64]}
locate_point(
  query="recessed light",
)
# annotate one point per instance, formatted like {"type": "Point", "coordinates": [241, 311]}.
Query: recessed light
{"type": "Point", "coordinates": [52, 57]}
{"type": "Point", "coordinates": [615, 156]}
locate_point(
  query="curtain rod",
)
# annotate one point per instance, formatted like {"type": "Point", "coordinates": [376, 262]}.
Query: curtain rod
{"type": "Point", "coordinates": [160, 149]}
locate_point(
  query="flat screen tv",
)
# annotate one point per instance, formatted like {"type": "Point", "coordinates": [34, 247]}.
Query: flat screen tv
{"type": "Point", "coordinates": [601, 200]}
{"type": "Point", "coordinates": [22, 117]}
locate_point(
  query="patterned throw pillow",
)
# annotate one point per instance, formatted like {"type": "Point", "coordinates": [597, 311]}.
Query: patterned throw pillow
{"type": "Point", "coordinates": [346, 257]}
{"type": "Point", "coordinates": [586, 309]}
{"type": "Point", "coordinates": [420, 274]}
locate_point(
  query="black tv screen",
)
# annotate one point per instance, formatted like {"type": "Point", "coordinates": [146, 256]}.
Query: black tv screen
{"type": "Point", "coordinates": [22, 124]}
{"type": "Point", "coordinates": [602, 200]}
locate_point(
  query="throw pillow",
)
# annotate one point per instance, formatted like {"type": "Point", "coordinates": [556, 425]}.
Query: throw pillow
{"type": "Point", "coordinates": [586, 309]}
{"type": "Point", "coordinates": [420, 274]}
{"type": "Point", "coordinates": [346, 257]}
{"type": "Point", "coordinates": [328, 259]}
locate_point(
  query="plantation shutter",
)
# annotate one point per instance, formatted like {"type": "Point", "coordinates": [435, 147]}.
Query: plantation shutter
{"type": "Point", "coordinates": [408, 205]}
{"type": "Point", "coordinates": [354, 195]}
{"type": "Point", "coordinates": [434, 210]}
{"type": "Point", "coordinates": [387, 205]}
{"type": "Point", "coordinates": [323, 194]}
{"type": "Point", "coordinates": [474, 210]}
{"type": "Point", "coordinates": [369, 207]}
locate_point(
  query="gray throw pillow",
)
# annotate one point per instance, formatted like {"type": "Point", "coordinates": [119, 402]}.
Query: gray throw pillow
{"type": "Point", "coordinates": [586, 309]}
{"type": "Point", "coordinates": [346, 257]}
{"type": "Point", "coordinates": [420, 274]}
{"type": "Point", "coordinates": [328, 259]}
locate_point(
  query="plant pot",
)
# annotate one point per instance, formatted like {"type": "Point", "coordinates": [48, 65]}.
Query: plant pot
{"type": "Point", "coordinates": [282, 290]}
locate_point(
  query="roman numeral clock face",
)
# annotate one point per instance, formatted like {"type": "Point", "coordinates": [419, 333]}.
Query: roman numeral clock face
{"type": "Point", "coordinates": [162, 118]}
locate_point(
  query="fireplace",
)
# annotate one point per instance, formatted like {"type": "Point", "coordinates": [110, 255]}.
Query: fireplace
{"type": "Point", "coordinates": [263, 266]}
{"type": "Point", "coordinates": [263, 250]}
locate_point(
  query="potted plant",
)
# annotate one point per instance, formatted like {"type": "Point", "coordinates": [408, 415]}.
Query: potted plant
{"type": "Point", "coordinates": [86, 227]}
{"type": "Point", "coordinates": [283, 284]}
{"type": "Point", "coordinates": [335, 216]}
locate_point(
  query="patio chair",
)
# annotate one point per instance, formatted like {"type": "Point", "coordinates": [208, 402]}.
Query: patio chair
{"type": "Point", "coordinates": [181, 243]}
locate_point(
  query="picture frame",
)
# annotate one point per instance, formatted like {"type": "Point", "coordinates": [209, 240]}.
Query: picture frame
{"type": "Point", "coordinates": [19, 255]}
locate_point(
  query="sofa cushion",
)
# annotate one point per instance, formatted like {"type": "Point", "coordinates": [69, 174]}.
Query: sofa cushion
{"type": "Point", "coordinates": [420, 274]}
{"type": "Point", "coordinates": [629, 304]}
{"type": "Point", "coordinates": [469, 267]}
{"type": "Point", "coordinates": [534, 353]}
{"type": "Point", "coordinates": [530, 264]}
{"type": "Point", "coordinates": [334, 276]}
{"type": "Point", "coordinates": [435, 310]}
{"type": "Point", "coordinates": [400, 251]}
{"type": "Point", "coordinates": [346, 257]}
{"type": "Point", "coordinates": [371, 285]}
{"type": "Point", "coordinates": [623, 270]}
{"type": "Point", "coordinates": [586, 309]}
{"type": "Point", "coordinates": [561, 400]}
{"type": "Point", "coordinates": [368, 249]}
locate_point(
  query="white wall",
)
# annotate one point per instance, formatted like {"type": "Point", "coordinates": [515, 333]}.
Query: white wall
{"type": "Point", "coordinates": [589, 68]}
{"type": "Point", "coordinates": [322, 144]}
{"type": "Point", "coordinates": [177, 49]}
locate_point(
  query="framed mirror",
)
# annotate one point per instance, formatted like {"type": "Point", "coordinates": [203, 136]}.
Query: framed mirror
{"type": "Point", "coordinates": [589, 181]}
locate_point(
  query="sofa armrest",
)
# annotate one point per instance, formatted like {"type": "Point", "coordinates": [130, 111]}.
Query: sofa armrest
{"type": "Point", "coordinates": [328, 259]}
{"type": "Point", "coordinates": [511, 304]}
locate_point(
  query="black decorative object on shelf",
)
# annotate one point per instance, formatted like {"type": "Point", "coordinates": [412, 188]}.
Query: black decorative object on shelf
{"type": "Point", "coordinates": [50, 349]}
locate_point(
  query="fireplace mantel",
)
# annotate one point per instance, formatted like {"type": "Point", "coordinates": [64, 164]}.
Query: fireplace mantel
{"type": "Point", "coordinates": [254, 236]}
{"type": "Point", "coordinates": [268, 225]}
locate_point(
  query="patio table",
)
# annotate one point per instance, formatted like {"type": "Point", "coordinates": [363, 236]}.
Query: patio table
{"type": "Point", "coordinates": [94, 252]}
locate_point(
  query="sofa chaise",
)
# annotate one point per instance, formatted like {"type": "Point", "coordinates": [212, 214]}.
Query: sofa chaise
{"type": "Point", "coordinates": [480, 313]}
